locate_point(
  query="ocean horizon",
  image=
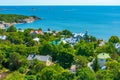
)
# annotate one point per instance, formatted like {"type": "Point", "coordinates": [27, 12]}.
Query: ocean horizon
{"type": "Point", "coordinates": [100, 21]}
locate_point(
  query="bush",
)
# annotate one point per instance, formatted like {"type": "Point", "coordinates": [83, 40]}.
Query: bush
{"type": "Point", "coordinates": [30, 77]}
{"type": "Point", "coordinates": [31, 72]}
{"type": "Point", "coordinates": [22, 70]}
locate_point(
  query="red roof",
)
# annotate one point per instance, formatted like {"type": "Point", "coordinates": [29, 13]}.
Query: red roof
{"type": "Point", "coordinates": [36, 32]}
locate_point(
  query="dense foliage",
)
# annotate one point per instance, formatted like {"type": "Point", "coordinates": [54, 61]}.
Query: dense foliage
{"type": "Point", "coordinates": [10, 18]}
{"type": "Point", "coordinates": [18, 45]}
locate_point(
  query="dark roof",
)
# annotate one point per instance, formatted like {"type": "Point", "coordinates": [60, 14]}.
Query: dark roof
{"type": "Point", "coordinates": [39, 57]}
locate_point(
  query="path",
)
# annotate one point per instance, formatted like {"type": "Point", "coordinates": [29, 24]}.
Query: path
{"type": "Point", "coordinates": [90, 65]}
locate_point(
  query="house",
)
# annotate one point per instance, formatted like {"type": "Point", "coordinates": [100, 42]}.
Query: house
{"type": "Point", "coordinates": [70, 40]}
{"type": "Point", "coordinates": [117, 46]}
{"type": "Point", "coordinates": [102, 59]}
{"type": "Point", "coordinates": [3, 37]}
{"type": "Point", "coordinates": [101, 43]}
{"type": "Point", "coordinates": [2, 26]}
{"type": "Point", "coordinates": [36, 32]}
{"type": "Point", "coordinates": [76, 37]}
{"type": "Point", "coordinates": [47, 59]}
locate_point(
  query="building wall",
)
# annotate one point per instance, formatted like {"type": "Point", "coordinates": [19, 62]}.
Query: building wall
{"type": "Point", "coordinates": [102, 62]}
{"type": "Point", "coordinates": [48, 63]}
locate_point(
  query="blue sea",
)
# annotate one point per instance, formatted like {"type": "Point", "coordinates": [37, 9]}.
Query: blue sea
{"type": "Point", "coordinates": [100, 21]}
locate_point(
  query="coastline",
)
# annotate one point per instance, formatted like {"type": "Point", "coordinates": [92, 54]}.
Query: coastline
{"type": "Point", "coordinates": [102, 25]}
{"type": "Point", "coordinates": [29, 19]}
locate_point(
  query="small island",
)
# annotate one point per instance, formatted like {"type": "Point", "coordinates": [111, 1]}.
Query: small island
{"type": "Point", "coordinates": [7, 20]}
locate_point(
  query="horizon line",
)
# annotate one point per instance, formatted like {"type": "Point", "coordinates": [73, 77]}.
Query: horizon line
{"type": "Point", "coordinates": [60, 5]}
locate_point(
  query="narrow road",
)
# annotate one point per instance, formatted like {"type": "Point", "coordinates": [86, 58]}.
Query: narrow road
{"type": "Point", "coordinates": [90, 65]}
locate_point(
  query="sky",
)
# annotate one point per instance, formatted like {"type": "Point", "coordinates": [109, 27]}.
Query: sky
{"type": "Point", "coordinates": [59, 2]}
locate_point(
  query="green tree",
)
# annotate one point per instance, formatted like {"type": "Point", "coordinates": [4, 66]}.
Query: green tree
{"type": "Point", "coordinates": [55, 52]}
{"type": "Point", "coordinates": [104, 75]}
{"type": "Point", "coordinates": [66, 32]}
{"type": "Point", "coordinates": [47, 74]}
{"type": "Point", "coordinates": [11, 18]}
{"type": "Point", "coordinates": [65, 75]}
{"type": "Point", "coordinates": [85, 74]}
{"type": "Point", "coordinates": [80, 61]}
{"type": "Point", "coordinates": [93, 39]}
{"type": "Point", "coordinates": [31, 50]}
{"type": "Point", "coordinates": [46, 49]}
{"type": "Point", "coordinates": [65, 59]}
{"type": "Point", "coordinates": [15, 61]}
{"type": "Point", "coordinates": [114, 67]}
{"type": "Point", "coordinates": [2, 58]}
{"type": "Point", "coordinates": [39, 66]}
{"type": "Point", "coordinates": [57, 68]}
{"type": "Point", "coordinates": [96, 65]}
{"type": "Point", "coordinates": [86, 49]}
{"type": "Point", "coordinates": [11, 29]}
{"type": "Point", "coordinates": [15, 76]}
{"type": "Point", "coordinates": [114, 39]}
{"type": "Point", "coordinates": [107, 48]}
{"type": "Point", "coordinates": [24, 63]}
{"type": "Point", "coordinates": [22, 49]}
{"type": "Point", "coordinates": [30, 77]}
{"type": "Point", "coordinates": [15, 38]}
{"type": "Point", "coordinates": [2, 31]}
{"type": "Point", "coordinates": [22, 70]}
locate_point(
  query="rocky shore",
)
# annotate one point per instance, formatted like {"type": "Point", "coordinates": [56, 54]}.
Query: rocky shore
{"type": "Point", "coordinates": [29, 19]}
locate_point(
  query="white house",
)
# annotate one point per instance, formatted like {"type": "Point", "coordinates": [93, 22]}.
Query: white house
{"type": "Point", "coordinates": [47, 59]}
{"type": "Point", "coordinates": [102, 59]}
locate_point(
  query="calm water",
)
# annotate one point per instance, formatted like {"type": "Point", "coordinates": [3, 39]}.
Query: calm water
{"type": "Point", "coordinates": [100, 21]}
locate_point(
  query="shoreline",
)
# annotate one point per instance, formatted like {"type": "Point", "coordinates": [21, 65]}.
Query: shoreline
{"type": "Point", "coordinates": [30, 19]}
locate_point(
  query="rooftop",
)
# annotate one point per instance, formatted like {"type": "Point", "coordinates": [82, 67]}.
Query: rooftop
{"type": "Point", "coordinates": [36, 32]}
{"type": "Point", "coordinates": [103, 55]}
{"type": "Point", "coordinates": [36, 39]}
{"type": "Point", "coordinates": [39, 57]}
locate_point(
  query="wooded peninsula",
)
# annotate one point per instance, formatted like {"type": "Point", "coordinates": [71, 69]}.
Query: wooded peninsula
{"type": "Point", "coordinates": [15, 18]}
{"type": "Point", "coordinates": [7, 20]}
